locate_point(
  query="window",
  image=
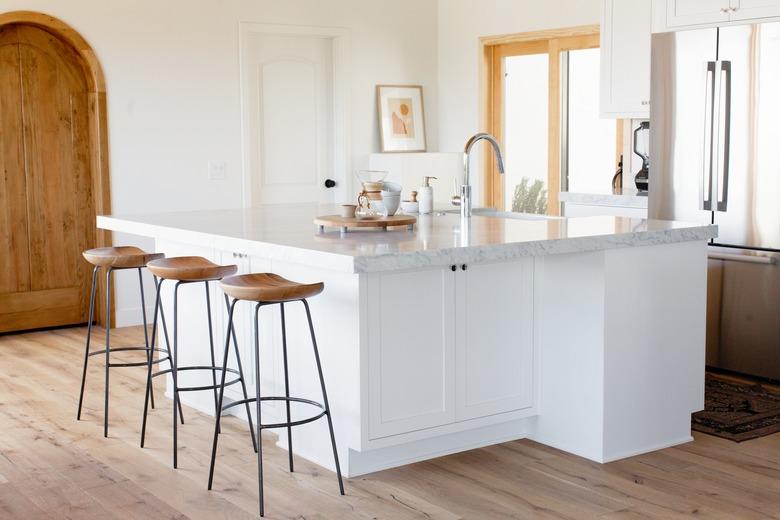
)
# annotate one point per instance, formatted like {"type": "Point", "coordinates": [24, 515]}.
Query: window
{"type": "Point", "coordinates": [541, 102]}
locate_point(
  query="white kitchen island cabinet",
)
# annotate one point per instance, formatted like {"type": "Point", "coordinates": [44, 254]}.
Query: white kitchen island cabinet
{"type": "Point", "coordinates": [586, 334]}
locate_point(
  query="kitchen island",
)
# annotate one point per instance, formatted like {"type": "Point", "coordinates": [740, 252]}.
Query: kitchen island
{"type": "Point", "coordinates": [585, 334]}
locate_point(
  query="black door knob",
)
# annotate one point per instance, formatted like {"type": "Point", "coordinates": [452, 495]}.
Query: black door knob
{"type": "Point", "coordinates": [330, 183]}
{"type": "Point", "coordinates": [454, 268]}
{"type": "Point", "coordinates": [463, 267]}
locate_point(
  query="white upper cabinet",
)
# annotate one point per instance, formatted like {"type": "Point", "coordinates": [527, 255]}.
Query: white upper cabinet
{"type": "Point", "coordinates": [672, 15]}
{"type": "Point", "coordinates": [694, 12]}
{"type": "Point", "coordinates": [752, 9]}
{"type": "Point", "coordinates": [625, 59]}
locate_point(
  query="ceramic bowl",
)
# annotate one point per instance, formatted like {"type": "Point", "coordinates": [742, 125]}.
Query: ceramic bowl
{"type": "Point", "coordinates": [408, 206]}
{"type": "Point", "coordinates": [391, 202]}
{"type": "Point", "coordinates": [391, 187]}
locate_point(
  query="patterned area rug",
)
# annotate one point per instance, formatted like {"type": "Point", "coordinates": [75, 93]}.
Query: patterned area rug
{"type": "Point", "coordinates": [737, 411]}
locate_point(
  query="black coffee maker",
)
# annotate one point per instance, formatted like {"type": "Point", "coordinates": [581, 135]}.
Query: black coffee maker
{"type": "Point", "coordinates": [641, 178]}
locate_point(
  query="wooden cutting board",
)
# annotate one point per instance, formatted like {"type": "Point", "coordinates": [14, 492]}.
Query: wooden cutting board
{"type": "Point", "coordinates": [345, 223]}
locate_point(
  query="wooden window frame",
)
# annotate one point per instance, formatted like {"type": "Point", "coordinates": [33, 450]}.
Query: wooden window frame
{"type": "Point", "coordinates": [493, 50]}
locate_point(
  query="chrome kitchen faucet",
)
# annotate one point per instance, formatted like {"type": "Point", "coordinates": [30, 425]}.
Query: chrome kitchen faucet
{"type": "Point", "coordinates": [464, 199]}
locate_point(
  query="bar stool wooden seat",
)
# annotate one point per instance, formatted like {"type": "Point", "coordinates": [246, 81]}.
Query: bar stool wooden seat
{"type": "Point", "coordinates": [271, 289]}
{"type": "Point", "coordinates": [112, 259]}
{"type": "Point", "coordinates": [186, 270]}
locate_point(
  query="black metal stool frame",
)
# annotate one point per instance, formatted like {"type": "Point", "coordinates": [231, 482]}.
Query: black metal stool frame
{"type": "Point", "coordinates": [175, 368]}
{"type": "Point", "coordinates": [148, 347]}
{"type": "Point", "coordinates": [324, 406]}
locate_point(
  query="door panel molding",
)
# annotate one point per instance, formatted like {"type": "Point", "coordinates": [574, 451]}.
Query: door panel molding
{"type": "Point", "coordinates": [96, 131]}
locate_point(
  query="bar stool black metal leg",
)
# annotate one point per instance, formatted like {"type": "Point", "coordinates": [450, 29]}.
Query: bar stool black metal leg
{"type": "Point", "coordinates": [259, 416]}
{"type": "Point", "coordinates": [168, 348]}
{"type": "Point", "coordinates": [286, 388]}
{"type": "Point", "coordinates": [324, 396]}
{"type": "Point", "coordinates": [149, 352]}
{"type": "Point", "coordinates": [174, 367]}
{"type": "Point", "coordinates": [218, 415]}
{"type": "Point", "coordinates": [108, 348]}
{"type": "Point", "coordinates": [89, 335]}
{"type": "Point", "coordinates": [242, 380]}
{"type": "Point", "coordinates": [211, 344]}
{"type": "Point", "coordinates": [147, 395]}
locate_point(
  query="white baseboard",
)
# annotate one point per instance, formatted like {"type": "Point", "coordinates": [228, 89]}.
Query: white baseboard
{"type": "Point", "coordinates": [648, 449]}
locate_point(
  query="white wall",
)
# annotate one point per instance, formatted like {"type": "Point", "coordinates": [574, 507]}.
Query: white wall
{"type": "Point", "coordinates": [461, 24]}
{"type": "Point", "coordinates": [172, 73]}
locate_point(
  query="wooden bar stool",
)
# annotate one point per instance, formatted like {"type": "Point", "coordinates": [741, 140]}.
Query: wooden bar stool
{"type": "Point", "coordinates": [270, 289]}
{"type": "Point", "coordinates": [186, 270]}
{"type": "Point", "coordinates": [113, 259]}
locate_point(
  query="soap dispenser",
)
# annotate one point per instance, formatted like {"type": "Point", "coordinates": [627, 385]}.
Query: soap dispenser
{"type": "Point", "coordinates": [425, 195]}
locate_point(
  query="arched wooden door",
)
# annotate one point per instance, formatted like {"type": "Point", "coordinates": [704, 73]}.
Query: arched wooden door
{"type": "Point", "coordinates": [47, 215]}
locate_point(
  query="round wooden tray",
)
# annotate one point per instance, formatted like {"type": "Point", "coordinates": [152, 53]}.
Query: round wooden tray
{"type": "Point", "coordinates": [346, 223]}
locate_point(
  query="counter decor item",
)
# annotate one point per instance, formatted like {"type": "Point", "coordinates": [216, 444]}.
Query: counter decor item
{"type": "Point", "coordinates": [391, 201]}
{"type": "Point", "coordinates": [348, 210]}
{"type": "Point", "coordinates": [401, 118]}
{"type": "Point", "coordinates": [641, 179]}
{"type": "Point", "coordinates": [426, 195]}
{"type": "Point", "coordinates": [371, 182]}
{"type": "Point", "coordinates": [411, 205]}
{"type": "Point", "coordinates": [391, 197]}
{"type": "Point", "coordinates": [369, 209]}
{"type": "Point", "coordinates": [617, 179]}
{"type": "Point", "coordinates": [378, 222]}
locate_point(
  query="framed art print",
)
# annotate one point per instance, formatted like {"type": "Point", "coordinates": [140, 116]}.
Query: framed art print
{"type": "Point", "coordinates": [401, 118]}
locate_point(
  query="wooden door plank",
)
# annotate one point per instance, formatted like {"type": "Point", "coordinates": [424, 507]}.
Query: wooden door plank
{"type": "Point", "coordinates": [15, 274]}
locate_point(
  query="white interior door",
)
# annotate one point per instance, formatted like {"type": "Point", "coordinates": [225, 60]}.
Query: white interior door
{"type": "Point", "coordinates": [289, 111]}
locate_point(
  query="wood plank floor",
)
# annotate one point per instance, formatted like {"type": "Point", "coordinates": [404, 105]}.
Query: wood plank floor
{"type": "Point", "coordinates": [52, 466]}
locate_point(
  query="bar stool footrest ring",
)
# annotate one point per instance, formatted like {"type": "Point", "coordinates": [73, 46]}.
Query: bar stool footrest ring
{"type": "Point", "coordinates": [285, 424]}
{"type": "Point", "coordinates": [204, 387]}
{"type": "Point", "coordinates": [133, 363]}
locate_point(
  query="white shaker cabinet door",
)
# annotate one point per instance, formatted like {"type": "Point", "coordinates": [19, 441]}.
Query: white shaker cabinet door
{"type": "Point", "coordinates": [696, 12]}
{"type": "Point", "coordinates": [625, 59]}
{"type": "Point", "coordinates": [410, 350]}
{"type": "Point", "coordinates": [752, 9]}
{"type": "Point", "coordinates": [495, 338]}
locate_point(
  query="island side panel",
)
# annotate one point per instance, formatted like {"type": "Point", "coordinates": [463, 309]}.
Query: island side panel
{"type": "Point", "coordinates": [655, 346]}
{"type": "Point", "coordinates": [569, 311]}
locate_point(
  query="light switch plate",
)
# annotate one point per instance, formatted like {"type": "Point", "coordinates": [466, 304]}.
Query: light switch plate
{"type": "Point", "coordinates": [217, 170]}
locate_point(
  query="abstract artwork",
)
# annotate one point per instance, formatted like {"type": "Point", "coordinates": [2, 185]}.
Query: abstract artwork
{"type": "Point", "coordinates": [401, 118]}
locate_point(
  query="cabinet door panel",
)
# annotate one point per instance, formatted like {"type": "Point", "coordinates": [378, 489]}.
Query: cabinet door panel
{"type": "Point", "coordinates": [625, 59]}
{"type": "Point", "coordinates": [751, 9]}
{"type": "Point", "coordinates": [411, 351]}
{"type": "Point", "coordinates": [495, 351]}
{"type": "Point", "coordinates": [694, 12]}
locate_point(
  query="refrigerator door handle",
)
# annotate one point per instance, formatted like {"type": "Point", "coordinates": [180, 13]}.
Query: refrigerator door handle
{"type": "Point", "coordinates": [725, 102]}
{"type": "Point", "coordinates": [705, 181]}
{"type": "Point", "coordinates": [747, 259]}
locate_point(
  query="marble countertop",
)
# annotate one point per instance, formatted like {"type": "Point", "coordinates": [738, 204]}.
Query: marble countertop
{"type": "Point", "coordinates": [287, 232]}
{"type": "Point", "coordinates": [626, 198]}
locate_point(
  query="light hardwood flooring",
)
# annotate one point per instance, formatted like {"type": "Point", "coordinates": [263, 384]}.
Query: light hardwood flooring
{"type": "Point", "coordinates": [52, 466]}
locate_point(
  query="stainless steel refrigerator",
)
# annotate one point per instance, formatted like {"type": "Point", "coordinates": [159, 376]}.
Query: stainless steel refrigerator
{"type": "Point", "coordinates": [715, 157]}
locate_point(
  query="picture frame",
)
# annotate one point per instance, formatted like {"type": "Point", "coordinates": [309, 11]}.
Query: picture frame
{"type": "Point", "coordinates": [401, 112]}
